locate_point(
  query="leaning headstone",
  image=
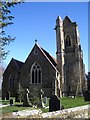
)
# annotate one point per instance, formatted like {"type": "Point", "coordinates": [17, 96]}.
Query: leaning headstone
{"type": "Point", "coordinates": [8, 95]}
{"type": "Point", "coordinates": [54, 103]}
{"type": "Point", "coordinates": [26, 102]}
{"type": "Point", "coordinates": [11, 102]}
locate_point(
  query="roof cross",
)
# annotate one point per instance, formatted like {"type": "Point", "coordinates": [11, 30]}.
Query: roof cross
{"type": "Point", "coordinates": [35, 40]}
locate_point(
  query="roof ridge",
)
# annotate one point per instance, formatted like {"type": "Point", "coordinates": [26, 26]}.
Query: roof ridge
{"type": "Point", "coordinates": [50, 55]}
{"type": "Point", "coordinates": [16, 63]}
{"type": "Point", "coordinates": [42, 50]}
{"type": "Point", "coordinates": [17, 60]}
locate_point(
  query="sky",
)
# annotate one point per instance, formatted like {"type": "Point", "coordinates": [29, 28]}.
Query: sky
{"type": "Point", "coordinates": [88, 36]}
{"type": "Point", "coordinates": [36, 20]}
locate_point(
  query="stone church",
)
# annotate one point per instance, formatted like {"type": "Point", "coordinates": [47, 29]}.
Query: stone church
{"type": "Point", "coordinates": [63, 75]}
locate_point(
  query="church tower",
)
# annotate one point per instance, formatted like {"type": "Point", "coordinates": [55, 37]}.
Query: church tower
{"type": "Point", "coordinates": [60, 49]}
{"type": "Point", "coordinates": [69, 57]}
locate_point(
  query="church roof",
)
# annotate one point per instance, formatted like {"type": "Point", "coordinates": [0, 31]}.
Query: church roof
{"type": "Point", "coordinates": [88, 76]}
{"type": "Point", "coordinates": [18, 63]}
{"type": "Point", "coordinates": [51, 58]}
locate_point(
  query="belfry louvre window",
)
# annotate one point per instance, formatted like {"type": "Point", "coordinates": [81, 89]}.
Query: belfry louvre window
{"type": "Point", "coordinates": [36, 73]}
{"type": "Point", "coordinates": [68, 41]}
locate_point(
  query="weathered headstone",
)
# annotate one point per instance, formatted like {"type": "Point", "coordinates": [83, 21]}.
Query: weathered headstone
{"type": "Point", "coordinates": [45, 100]}
{"type": "Point", "coordinates": [54, 103]}
{"type": "Point", "coordinates": [8, 95]}
{"type": "Point", "coordinates": [11, 102]}
{"type": "Point", "coordinates": [26, 102]}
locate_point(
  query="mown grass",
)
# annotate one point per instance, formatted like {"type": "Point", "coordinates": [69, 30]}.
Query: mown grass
{"type": "Point", "coordinates": [71, 102]}
{"type": "Point", "coordinates": [10, 109]}
{"type": "Point", "coordinates": [15, 107]}
{"type": "Point", "coordinates": [68, 102]}
{"type": "Point", "coordinates": [5, 102]}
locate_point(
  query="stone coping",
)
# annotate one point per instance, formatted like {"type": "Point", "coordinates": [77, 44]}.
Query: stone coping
{"type": "Point", "coordinates": [76, 111]}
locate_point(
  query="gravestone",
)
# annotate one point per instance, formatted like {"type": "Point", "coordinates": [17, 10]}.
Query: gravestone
{"type": "Point", "coordinates": [54, 103]}
{"type": "Point", "coordinates": [8, 95]}
{"type": "Point", "coordinates": [86, 95]}
{"type": "Point", "coordinates": [11, 102]}
{"type": "Point", "coordinates": [45, 100]}
{"type": "Point", "coordinates": [26, 102]}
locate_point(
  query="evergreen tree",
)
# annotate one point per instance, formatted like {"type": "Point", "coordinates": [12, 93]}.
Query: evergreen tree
{"type": "Point", "coordinates": [5, 21]}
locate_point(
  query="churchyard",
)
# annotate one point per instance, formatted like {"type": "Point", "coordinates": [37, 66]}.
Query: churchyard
{"type": "Point", "coordinates": [28, 104]}
{"type": "Point", "coordinates": [67, 102]}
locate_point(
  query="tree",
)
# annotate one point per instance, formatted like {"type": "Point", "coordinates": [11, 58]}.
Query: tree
{"type": "Point", "coordinates": [2, 68]}
{"type": "Point", "coordinates": [5, 21]}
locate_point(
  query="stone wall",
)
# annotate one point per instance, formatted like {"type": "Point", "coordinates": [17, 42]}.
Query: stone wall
{"type": "Point", "coordinates": [77, 112]}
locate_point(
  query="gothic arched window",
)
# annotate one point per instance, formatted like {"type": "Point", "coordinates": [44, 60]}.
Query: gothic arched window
{"type": "Point", "coordinates": [67, 41]}
{"type": "Point", "coordinates": [36, 73]}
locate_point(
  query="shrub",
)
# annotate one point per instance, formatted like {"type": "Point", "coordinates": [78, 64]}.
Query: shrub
{"type": "Point", "coordinates": [34, 97]}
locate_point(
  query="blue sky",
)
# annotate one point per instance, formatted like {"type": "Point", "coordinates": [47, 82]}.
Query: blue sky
{"type": "Point", "coordinates": [36, 20]}
{"type": "Point", "coordinates": [89, 36]}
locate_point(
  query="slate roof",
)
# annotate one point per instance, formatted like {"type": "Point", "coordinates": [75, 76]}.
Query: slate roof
{"type": "Point", "coordinates": [18, 63]}
{"type": "Point", "coordinates": [52, 59]}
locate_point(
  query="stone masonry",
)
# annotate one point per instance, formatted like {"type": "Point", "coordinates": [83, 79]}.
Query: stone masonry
{"type": "Point", "coordinates": [69, 57]}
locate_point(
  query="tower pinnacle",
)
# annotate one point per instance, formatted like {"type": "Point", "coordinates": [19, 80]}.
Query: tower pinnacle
{"type": "Point", "coordinates": [59, 18]}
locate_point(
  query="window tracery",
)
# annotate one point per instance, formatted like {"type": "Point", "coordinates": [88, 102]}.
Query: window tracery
{"type": "Point", "coordinates": [36, 73]}
{"type": "Point", "coordinates": [67, 41]}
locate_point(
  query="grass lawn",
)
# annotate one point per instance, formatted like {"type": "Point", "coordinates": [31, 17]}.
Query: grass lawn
{"type": "Point", "coordinates": [67, 102]}
{"type": "Point", "coordinates": [10, 109]}
{"type": "Point", "coordinates": [70, 102]}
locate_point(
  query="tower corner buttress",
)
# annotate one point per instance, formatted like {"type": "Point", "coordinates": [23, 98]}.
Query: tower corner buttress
{"type": "Point", "coordinates": [60, 49]}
